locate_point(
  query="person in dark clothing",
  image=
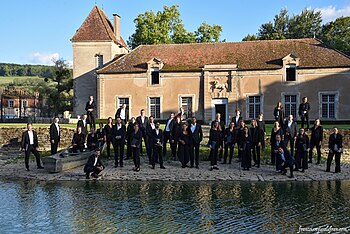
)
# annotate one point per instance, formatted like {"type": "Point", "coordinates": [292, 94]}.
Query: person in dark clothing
{"type": "Point", "coordinates": [90, 110]}
{"type": "Point", "coordinates": [167, 136]}
{"type": "Point", "coordinates": [304, 109]}
{"type": "Point", "coordinates": [175, 134]}
{"type": "Point", "coordinates": [335, 146]}
{"type": "Point", "coordinates": [157, 139]}
{"type": "Point", "coordinates": [135, 143]}
{"type": "Point", "coordinates": [83, 124]}
{"type": "Point", "coordinates": [278, 113]}
{"type": "Point", "coordinates": [55, 135]}
{"type": "Point", "coordinates": [286, 161]}
{"type": "Point", "coordinates": [239, 138]}
{"type": "Point", "coordinates": [184, 142]}
{"type": "Point", "coordinates": [123, 113]}
{"type": "Point", "coordinates": [215, 137]}
{"type": "Point", "coordinates": [142, 121]}
{"type": "Point", "coordinates": [92, 140]}
{"type": "Point", "coordinates": [119, 135]}
{"type": "Point", "coordinates": [100, 135]}
{"type": "Point", "coordinates": [257, 137]}
{"type": "Point", "coordinates": [196, 138]}
{"type": "Point", "coordinates": [246, 149]}
{"type": "Point", "coordinates": [301, 148]}
{"type": "Point", "coordinates": [229, 142]}
{"type": "Point", "coordinates": [238, 118]}
{"type": "Point", "coordinates": [108, 138]}
{"type": "Point", "coordinates": [78, 141]}
{"type": "Point", "coordinates": [261, 125]}
{"type": "Point", "coordinates": [30, 145]}
{"type": "Point", "coordinates": [129, 130]}
{"type": "Point", "coordinates": [222, 130]}
{"type": "Point", "coordinates": [94, 165]}
{"type": "Point", "coordinates": [316, 140]}
{"type": "Point", "coordinates": [149, 137]}
{"type": "Point", "coordinates": [290, 133]}
{"type": "Point", "coordinates": [274, 148]}
{"type": "Point", "coordinates": [276, 130]}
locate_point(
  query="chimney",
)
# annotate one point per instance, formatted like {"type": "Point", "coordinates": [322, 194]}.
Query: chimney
{"type": "Point", "coordinates": [116, 26]}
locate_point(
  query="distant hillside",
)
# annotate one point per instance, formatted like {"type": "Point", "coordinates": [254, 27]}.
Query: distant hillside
{"type": "Point", "coordinates": [9, 69]}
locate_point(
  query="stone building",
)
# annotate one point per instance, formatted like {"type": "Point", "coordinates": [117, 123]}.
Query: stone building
{"type": "Point", "coordinates": [208, 78]}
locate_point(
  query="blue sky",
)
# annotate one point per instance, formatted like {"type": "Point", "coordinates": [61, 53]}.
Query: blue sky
{"type": "Point", "coordinates": [33, 32]}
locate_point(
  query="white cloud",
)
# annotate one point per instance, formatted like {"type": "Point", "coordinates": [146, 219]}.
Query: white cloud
{"type": "Point", "coordinates": [44, 58]}
{"type": "Point", "coordinates": [331, 13]}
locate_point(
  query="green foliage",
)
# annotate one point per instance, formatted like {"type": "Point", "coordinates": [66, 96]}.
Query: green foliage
{"type": "Point", "coordinates": [336, 34]}
{"type": "Point", "coordinates": [166, 27]}
{"type": "Point", "coordinates": [250, 38]}
{"type": "Point", "coordinates": [8, 69]}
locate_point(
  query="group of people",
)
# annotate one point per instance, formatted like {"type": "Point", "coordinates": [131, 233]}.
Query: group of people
{"type": "Point", "coordinates": [185, 138]}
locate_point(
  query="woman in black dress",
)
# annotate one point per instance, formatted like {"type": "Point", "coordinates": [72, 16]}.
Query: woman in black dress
{"type": "Point", "coordinates": [184, 145]}
{"type": "Point", "coordinates": [129, 130]}
{"type": "Point", "coordinates": [246, 149]}
{"type": "Point", "coordinates": [108, 136]}
{"type": "Point", "coordinates": [78, 141]}
{"type": "Point", "coordinates": [278, 112]}
{"type": "Point", "coordinates": [135, 143]}
{"type": "Point", "coordinates": [100, 135]}
{"type": "Point", "coordinates": [214, 144]}
{"type": "Point", "coordinates": [239, 138]}
{"type": "Point", "coordinates": [229, 142]}
{"type": "Point", "coordinates": [301, 150]}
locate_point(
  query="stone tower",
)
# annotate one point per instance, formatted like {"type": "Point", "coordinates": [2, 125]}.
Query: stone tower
{"type": "Point", "coordinates": [96, 43]}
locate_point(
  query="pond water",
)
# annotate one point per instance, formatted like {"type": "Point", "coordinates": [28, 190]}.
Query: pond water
{"type": "Point", "coordinates": [172, 207]}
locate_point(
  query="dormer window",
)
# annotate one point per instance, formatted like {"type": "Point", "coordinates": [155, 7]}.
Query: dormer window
{"type": "Point", "coordinates": [291, 73]}
{"type": "Point", "coordinates": [99, 60]}
{"type": "Point", "coordinates": [155, 76]}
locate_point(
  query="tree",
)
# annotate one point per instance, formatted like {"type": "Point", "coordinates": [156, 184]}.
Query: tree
{"type": "Point", "coordinates": [166, 27]}
{"type": "Point", "coordinates": [306, 25]}
{"type": "Point", "coordinates": [276, 30]}
{"type": "Point", "coordinates": [336, 34]}
{"type": "Point", "coordinates": [250, 38]}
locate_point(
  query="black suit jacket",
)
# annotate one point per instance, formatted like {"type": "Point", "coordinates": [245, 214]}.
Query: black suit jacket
{"type": "Point", "coordinates": [142, 125]}
{"type": "Point", "coordinates": [157, 138]}
{"type": "Point", "coordinates": [257, 134]}
{"type": "Point", "coordinates": [121, 132]}
{"type": "Point", "coordinates": [83, 128]}
{"type": "Point", "coordinates": [89, 166]}
{"type": "Point", "coordinates": [197, 135]}
{"type": "Point", "coordinates": [316, 134]}
{"type": "Point", "coordinates": [236, 122]}
{"type": "Point", "coordinates": [335, 139]}
{"type": "Point", "coordinates": [54, 135]}
{"type": "Point", "coordinates": [90, 106]}
{"type": "Point", "coordinates": [117, 114]}
{"type": "Point", "coordinates": [303, 107]}
{"type": "Point", "coordinates": [149, 130]}
{"type": "Point", "coordinates": [222, 125]}
{"type": "Point", "coordinates": [26, 141]}
{"type": "Point", "coordinates": [292, 131]}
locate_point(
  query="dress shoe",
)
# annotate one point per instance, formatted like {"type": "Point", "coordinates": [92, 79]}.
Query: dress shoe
{"type": "Point", "coordinates": [295, 169]}
{"type": "Point", "coordinates": [211, 168]}
{"type": "Point", "coordinates": [162, 167]}
{"type": "Point", "coordinates": [138, 169]}
{"type": "Point", "coordinates": [284, 172]}
{"type": "Point", "coordinates": [318, 163]}
{"type": "Point", "coordinates": [183, 166]}
{"type": "Point", "coordinates": [115, 166]}
{"type": "Point", "coordinates": [87, 176]}
{"type": "Point", "coordinates": [27, 169]}
{"type": "Point", "coordinates": [258, 166]}
{"type": "Point", "coordinates": [191, 166]}
{"type": "Point", "coordinates": [153, 167]}
{"type": "Point", "coordinates": [121, 165]}
{"type": "Point", "coordinates": [291, 176]}
{"type": "Point", "coordinates": [327, 170]}
{"type": "Point", "coordinates": [310, 161]}
{"type": "Point", "coordinates": [40, 167]}
{"type": "Point", "coordinates": [254, 164]}
{"type": "Point", "coordinates": [197, 166]}
{"type": "Point", "coordinates": [94, 175]}
{"type": "Point", "coordinates": [223, 162]}
{"type": "Point", "coordinates": [303, 170]}
{"type": "Point", "coordinates": [216, 168]}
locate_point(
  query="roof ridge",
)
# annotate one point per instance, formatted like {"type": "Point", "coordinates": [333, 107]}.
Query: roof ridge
{"type": "Point", "coordinates": [100, 12]}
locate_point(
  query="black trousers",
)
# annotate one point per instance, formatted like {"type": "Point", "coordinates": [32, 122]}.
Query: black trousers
{"type": "Point", "coordinates": [214, 154]}
{"type": "Point", "coordinates": [91, 120]}
{"type": "Point", "coordinates": [184, 154]}
{"type": "Point", "coordinates": [256, 153]}
{"type": "Point", "coordinates": [337, 161]}
{"type": "Point", "coordinates": [157, 155]}
{"type": "Point", "coordinates": [301, 160]}
{"type": "Point", "coordinates": [94, 170]}
{"type": "Point", "coordinates": [150, 150]}
{"type": "Point", "coordinates": [118, 146]}
{"type": "Point", "coordinates": [221, 143]}
{"type": "Point", "coordinates": [31, 149]}
{"type": "Point", "coordinates": [54, 147]}
{"type": "Point", "coordinates": [305, 118]}
{"type": "Point", "coordinates": [228, 147]}
{"type": "Point", "coordinates": [288, 138]}
{"type": "Point", "coordinates": [290, 168]}
{"type": "Point", "coordinates": [166, 139]}
{"type": "Point", "coordinates": [136, 156]}
{"type": "Point", "coordinates": [128, 149]}
{"type": "Point", "coordinates": [194, 154]}
{"type": "Point", "coordinates": [273, 153]}
{"type": "Point", "coordinates": [108, 142]}
{"type": "Point", "coordinates": [318, 149]}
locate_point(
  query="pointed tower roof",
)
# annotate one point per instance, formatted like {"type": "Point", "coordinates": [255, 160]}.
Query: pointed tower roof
{"type": "Point", "coordinates": [97, 27]}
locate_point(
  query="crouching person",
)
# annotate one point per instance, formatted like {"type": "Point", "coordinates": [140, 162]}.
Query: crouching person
{"type": "Point", "coordinates": [286, 160]}
{"type": "Point", "coordinates": [94, 165]}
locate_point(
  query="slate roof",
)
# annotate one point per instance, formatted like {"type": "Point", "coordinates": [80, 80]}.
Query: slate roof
{"type": "Point", "coordinates": [248, 55]}
{"type": "Point", "coordinates": [97, 27]}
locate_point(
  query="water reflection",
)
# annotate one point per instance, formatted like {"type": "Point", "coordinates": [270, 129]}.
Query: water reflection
{"type": "Point", "coordinates": [158, 207]}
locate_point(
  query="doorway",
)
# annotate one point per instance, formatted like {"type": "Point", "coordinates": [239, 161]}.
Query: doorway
{"type": "Point", "coordinates": [221, 108]}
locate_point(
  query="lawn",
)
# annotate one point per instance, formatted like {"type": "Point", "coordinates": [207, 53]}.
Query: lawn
{"type": "Point", "coordinates": [5, 80]}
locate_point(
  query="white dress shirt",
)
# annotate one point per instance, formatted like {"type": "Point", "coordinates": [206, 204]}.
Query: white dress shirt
{"type": "Point", "coordinates": [31, 137]}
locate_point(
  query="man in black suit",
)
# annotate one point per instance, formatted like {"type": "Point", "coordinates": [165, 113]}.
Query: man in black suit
{"type": "Point", "coordinates": [257, 135]}
{"type": "Point", "coordinates": [83, 124]}
{"type": "Point", "coordinates": [123, 113]}
{"type": "Point", "coordinates": [94, 165]}
{"type": "Point", "coordinates": [54, 135]}
{"type": "Point", "coordinates": [29, 145]}
{"type": "Point", "coordinates": [167, 134]}
{"type": "Point", "coordinates": [222, 127]}
{"type": "Point", "coordinates": [118, 134]}
{"type": "Point", "coordinates": [149, 136]}
{"type": "Point", "coordinates": [279, 143]}
{"type": "Point", "coordinates": [142, 121]}
{"type": "Point", "coordinates": [236, 119]}
{"type": "Point", "coordinates": [316, 140]}
{"type": "Point", "coordinates": [335, 146]}
{"type": "Point", "coordinates": [286, 160]}
{"type": "Point", "coordinates": [90, 111]}
{"type": "Point", "coordinates": [304, 109]}
{"type": "Point", "coordinates": [157, 139]}
{"type": "Point", "coordinates": [196, 134]}
{"type": "Point", "coordinates": [290, 133]}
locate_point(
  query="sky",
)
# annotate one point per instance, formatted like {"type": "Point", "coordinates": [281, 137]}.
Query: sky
{"type": "Point", "coordinates": [37, 31]}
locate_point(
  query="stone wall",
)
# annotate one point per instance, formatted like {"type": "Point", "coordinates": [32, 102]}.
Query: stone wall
{"type": "Point", "coordinates": [11, 137]}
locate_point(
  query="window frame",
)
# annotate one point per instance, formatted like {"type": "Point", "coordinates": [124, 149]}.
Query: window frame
{"type": "Point", "coordinates": [13, 103]}
{"type": "Point", "coordinates": [192, 96]}
{"type": "Point", "coordinates": [152, 70]}
{"type": "Point", "coordinates": [118, 103]}
{"type": "Point", "coordinates": [248, 104]}
{"type": "Point", "coordinates": [289, 66]}
{"type": "Point", "coordinates": [297, 102]}
{"type": "Point", "coordinates": [160, 106]}
{"type": "Point", "coordinates": [336, 101]}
